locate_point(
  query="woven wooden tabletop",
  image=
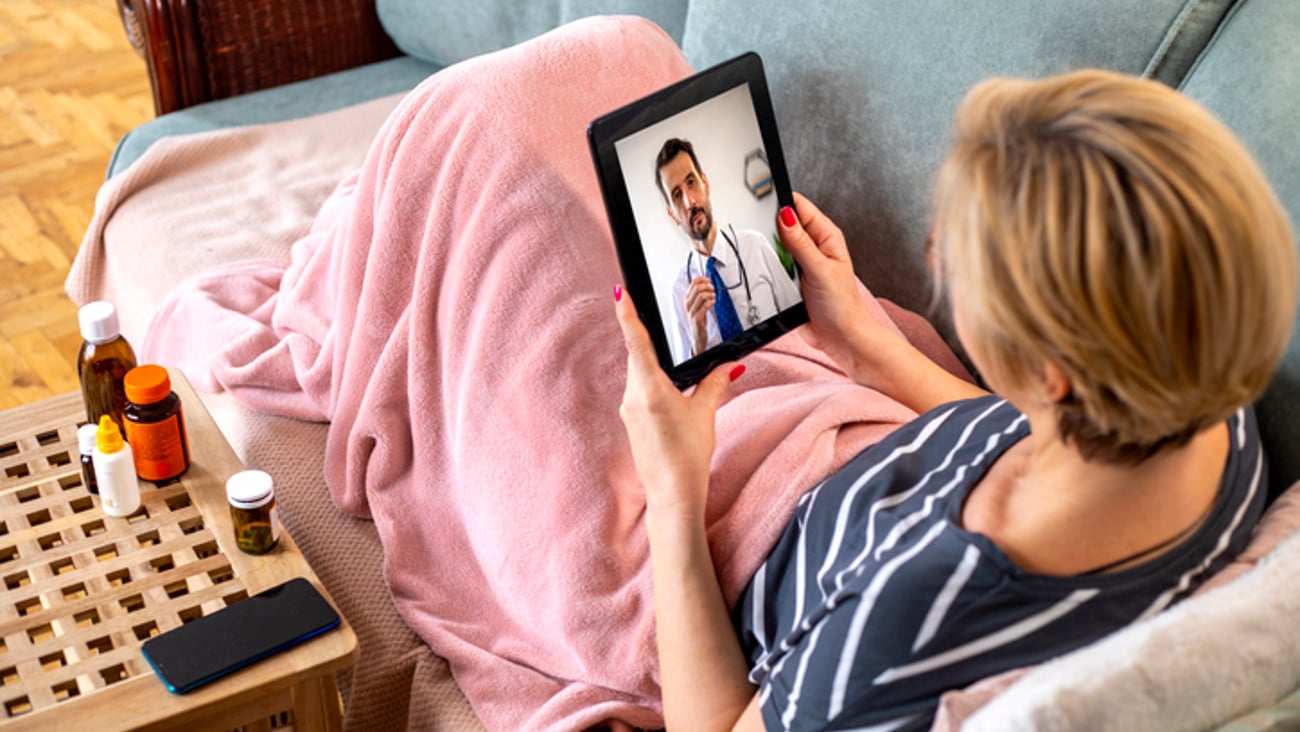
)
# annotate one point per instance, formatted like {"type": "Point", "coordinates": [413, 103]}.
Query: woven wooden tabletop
{"type": "Point", "coordinates": [83, 590]}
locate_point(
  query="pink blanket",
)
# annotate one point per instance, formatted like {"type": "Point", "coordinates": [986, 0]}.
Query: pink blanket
{"type": "Point", "coordinates": [450, 314]}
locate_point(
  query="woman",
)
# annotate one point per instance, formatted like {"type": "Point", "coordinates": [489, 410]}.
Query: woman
{"type": "Point", "coordinates": [1124, 279]}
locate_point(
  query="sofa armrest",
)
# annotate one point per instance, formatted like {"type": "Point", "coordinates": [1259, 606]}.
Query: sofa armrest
{"type": "Point", "coordinates": [200, 50]}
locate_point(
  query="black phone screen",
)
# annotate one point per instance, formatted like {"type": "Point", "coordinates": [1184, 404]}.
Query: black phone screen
{"type": "Point", "coordinates": [214, 645]}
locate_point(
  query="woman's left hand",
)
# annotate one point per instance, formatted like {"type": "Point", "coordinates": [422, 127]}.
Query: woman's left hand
{"type": "Point", "coordinates": [672, 433]}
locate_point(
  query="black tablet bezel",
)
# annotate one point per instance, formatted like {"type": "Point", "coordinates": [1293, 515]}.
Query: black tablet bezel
{"type": "Point", "coordinates": [603, 133]}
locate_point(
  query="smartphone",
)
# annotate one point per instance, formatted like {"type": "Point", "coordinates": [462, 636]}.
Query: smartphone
{"type": "Point", "coordinates": [235, 636]}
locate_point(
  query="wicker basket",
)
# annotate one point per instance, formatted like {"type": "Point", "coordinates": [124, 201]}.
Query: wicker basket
{"type": "Point", "coordinates": [201, 50]}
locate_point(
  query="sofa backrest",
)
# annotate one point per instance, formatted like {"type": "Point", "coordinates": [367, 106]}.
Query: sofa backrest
{"type": "Point", "coordinates": [1249, 77]}
{"type": "Point", "coordinates": [865, 92]}
{"type": "Point", "coordinates": [445, 33]}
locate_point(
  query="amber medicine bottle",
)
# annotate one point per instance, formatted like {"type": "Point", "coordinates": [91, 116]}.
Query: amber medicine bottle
{"type": "Point", "coordinates": [119, 491]}
{"type": "Point", "coordinates": [86, 445]}
{"type": "Point", "coordinates": [155, 425]}
{"type": "Point", "coordinates": [102, 362]}
{"type": "Point", "coordinates": [252, 510]}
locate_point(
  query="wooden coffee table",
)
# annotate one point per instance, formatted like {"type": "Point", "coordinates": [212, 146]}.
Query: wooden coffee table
{"type": "Point", "coordinates": [82, 591]}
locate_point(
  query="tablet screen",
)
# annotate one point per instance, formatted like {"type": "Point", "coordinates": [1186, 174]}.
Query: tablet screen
{"type": "Point", "coordinates": [693, 179]}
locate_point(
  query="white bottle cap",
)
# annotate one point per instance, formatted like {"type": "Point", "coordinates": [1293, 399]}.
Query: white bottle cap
{"type": "Point", "coordinates": [86, 438]}
{"type": "Point", "coordinates": [249, 489]}
{"type": "Point", "coordinates": [99, 322]}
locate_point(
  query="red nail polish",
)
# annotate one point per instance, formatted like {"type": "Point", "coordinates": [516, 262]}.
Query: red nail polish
{"type": "Point", "coordinates": [736, 372]}
{"type": "Point", "coordinates": [787, 217]}
{"type": "Point", "coordinates": [618, 293]}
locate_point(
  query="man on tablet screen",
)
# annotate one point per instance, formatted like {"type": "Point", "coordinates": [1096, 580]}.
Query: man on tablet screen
{"type": "Point", "coordinates": [732, 279]}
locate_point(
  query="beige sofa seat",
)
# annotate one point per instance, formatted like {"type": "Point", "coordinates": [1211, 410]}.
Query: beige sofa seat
{"type": "Point", "coordinates": [398, 682]}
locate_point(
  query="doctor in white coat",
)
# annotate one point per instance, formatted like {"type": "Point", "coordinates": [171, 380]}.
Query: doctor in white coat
{"type": "Point", "coordinates": [732, 280]}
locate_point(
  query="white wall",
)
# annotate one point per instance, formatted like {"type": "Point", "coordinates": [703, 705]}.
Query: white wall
{"type": "Point", "coordinates": [723, 131]}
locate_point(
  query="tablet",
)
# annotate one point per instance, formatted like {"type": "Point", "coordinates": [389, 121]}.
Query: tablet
{"type": "Point", "coordinates": [693, 177]}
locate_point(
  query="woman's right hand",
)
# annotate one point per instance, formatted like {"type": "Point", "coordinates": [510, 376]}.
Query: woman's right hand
{"type": "Point", "coordinates": [839, 322]}
{"type": "Point", "coordinates": [841, 325]}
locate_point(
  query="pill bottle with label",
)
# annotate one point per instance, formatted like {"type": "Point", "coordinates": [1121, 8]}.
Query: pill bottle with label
{"type": "Point", "coordinates": [252, 510]}
{"type": "Point", "coordinates": [155, 424]}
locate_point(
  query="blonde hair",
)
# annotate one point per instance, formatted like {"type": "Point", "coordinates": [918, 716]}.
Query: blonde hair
{"type": "Point", "coordinates": [1111, 226]}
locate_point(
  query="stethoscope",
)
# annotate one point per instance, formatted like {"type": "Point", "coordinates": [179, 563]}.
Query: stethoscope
{"type": "Point", "coordinates": [752, 313]}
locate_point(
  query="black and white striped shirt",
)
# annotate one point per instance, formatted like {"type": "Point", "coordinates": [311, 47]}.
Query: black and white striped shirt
{"type": "Point", "coordinates": [876, 600]}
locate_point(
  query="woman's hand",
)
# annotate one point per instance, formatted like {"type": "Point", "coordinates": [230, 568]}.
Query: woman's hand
{"type": "Point", "coordinates": [839, 322]}
{"type": "Point", "coordinates": [841, 325]}
{"type": "Point", "coordinates": [672, 433]}
{"type": "Point", "coordinates": [703, 669]}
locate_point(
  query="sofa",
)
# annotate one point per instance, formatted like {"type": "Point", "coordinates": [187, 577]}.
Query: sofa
{"type": "Point", "coordinates": [864, 95]}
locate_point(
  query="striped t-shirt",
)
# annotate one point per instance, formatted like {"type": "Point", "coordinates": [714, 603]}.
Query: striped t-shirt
{"type": "Point", "coordinates": [876, 600]}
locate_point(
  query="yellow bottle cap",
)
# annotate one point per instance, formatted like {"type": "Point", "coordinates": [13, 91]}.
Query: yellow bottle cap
{"type": "Point", "coordinates": [108, 438]}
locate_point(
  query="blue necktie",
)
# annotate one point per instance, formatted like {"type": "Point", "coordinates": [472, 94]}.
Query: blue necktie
{"type": "Point", "coordinates": [723, 310]}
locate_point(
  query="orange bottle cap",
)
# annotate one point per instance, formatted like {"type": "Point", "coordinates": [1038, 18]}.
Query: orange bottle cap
{"type": "Point", "coordinates": [147, 384]}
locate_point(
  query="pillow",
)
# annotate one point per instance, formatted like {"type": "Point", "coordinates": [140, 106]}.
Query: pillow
{"type": "Point", "coordinates": [1211, 658]}
{"type": "Point", "coordinates": [1278, 522]}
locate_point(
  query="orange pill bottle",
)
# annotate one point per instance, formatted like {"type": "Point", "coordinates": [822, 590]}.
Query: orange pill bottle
{"type": "Point", "coordinates": [155, 424]}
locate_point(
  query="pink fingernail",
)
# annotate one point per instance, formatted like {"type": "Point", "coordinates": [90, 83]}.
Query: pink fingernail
{"type": "Point", "coordinates": [787, 217]}
{"type": "Point", "coordinates": [618, 293]}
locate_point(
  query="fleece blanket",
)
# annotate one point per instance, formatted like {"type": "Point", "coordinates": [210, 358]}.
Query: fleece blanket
{"type": "Point", "coordinates": [450, 315]}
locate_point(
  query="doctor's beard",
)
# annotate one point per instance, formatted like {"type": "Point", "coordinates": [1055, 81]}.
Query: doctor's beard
{"type": "Point", "coordinates": [699, 233]}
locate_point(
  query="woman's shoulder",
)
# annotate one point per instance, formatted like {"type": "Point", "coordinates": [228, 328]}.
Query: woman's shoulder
{"type": "Point", "coordinates": [1216, 540]}
{"type": "Point", "coordinates": [947, 429]}
{"type": "Point", "coordinates": [936, 458]}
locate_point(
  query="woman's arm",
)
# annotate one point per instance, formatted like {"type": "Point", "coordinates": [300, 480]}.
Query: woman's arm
{"type": "Point", "coordinates": [841, 325]}
{"type": "Point", "coordinates": [703, 671]}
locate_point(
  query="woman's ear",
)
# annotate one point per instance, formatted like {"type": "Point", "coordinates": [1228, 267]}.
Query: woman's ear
{"type": "Point", "coordinates": [1055, 382]}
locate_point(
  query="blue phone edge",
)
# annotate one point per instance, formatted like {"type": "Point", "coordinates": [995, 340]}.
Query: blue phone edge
{"type": "Point", "coordinates": [230, 670]}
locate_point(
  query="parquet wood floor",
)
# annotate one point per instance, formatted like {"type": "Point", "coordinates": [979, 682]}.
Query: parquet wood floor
{"type": "Point", "coordinates": [70, 87]}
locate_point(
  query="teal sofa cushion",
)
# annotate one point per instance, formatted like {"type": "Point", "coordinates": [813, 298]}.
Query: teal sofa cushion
{"type": "Point", "coordinates": [446, 33]}
{"type": "Point", "coordinates": [865, 93]}
{"type": "Point", "coordinates": [1249, 77]}
{"type": "Point", "coordinates": [300, 99]}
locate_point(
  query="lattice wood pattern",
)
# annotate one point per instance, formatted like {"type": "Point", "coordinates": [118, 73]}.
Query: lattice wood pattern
{"type": "Point", "coordinates": [82, 591]}
{"type": "Point", "coordinates": [81, 587]}
{"type": "Point", "coordinates": [70, 87]}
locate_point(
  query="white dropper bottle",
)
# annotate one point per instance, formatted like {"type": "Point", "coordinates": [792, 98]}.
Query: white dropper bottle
{"type": "Point", "coordinates": [119, 489]}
